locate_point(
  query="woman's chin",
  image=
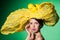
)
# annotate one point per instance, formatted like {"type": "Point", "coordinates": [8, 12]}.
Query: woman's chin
{"type": "Point", "coordinates": [35, 31]}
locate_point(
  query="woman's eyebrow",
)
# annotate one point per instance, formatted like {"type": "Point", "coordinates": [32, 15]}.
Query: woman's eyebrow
{"type": "Point", "coordinates": [36, 22]}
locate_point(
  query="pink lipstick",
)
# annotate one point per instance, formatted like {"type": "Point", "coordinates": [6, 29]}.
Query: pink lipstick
{"type": "Point", "coordinates": [33, 29]}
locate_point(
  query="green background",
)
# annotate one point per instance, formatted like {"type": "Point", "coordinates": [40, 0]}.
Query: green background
{"type": "Point", "coordinates": [48, 32]}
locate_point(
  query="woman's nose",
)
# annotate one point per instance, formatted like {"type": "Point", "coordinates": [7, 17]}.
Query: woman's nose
{"type": "Point", "coordinates": [33, 25]}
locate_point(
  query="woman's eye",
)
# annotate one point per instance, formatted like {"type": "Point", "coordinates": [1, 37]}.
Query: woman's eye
{"type": "Point", "coordinates": [30, 23]}
{"type": "Point", "coordinates": [36, 23]}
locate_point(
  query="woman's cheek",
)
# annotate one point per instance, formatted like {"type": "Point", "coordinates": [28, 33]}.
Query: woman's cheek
{"type": "Point", "coordinates": [37, 27]}
{"type": "Point", "coordinates": [31, 27]}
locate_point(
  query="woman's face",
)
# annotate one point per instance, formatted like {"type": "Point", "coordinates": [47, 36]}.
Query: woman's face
{"type": "Point", "coordinates": [34, 25]}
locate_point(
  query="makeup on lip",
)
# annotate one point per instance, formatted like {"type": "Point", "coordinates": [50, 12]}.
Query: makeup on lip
{"type": "Point", "coordinates": [33, 29]}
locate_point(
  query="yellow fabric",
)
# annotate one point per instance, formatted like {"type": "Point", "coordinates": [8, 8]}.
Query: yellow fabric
{"type": "Point", "coordinates": [17, 20]}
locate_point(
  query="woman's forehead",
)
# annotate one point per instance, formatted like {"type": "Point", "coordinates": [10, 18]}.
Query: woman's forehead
{"type": "Point", "coordinates": [33, 20]}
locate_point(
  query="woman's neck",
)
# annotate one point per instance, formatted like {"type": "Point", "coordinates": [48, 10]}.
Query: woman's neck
{"type": "Point", "coordinates": [38, 34]}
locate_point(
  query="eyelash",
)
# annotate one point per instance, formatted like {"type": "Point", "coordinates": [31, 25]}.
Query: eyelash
{"type": "Point", "coordinates": [36, 23]}
{"type": "Point", "coordinates": [30, 23]}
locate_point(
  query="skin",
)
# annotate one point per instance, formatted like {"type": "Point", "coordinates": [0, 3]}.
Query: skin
{"type": "Point", "coordinates": [33, 30]}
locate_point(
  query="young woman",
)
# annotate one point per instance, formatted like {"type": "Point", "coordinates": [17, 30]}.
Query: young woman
{"type": "Point", "coordinates": [33, 29]}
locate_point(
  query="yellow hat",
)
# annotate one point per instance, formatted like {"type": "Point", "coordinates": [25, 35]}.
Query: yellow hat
{"type": "Point", "coordinates": [17, 20]}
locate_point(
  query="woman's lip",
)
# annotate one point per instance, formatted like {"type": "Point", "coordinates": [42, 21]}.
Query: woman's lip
{"type": "Point", "coordinates": [34, 29]}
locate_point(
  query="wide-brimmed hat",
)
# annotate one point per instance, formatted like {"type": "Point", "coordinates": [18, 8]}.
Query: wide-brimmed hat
{"type": "Point", "coordinates": [17, 20]}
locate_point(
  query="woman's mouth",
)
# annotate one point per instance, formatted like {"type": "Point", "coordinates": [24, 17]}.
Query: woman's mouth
{"type": "Point", "coordinates": [33, 29]}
